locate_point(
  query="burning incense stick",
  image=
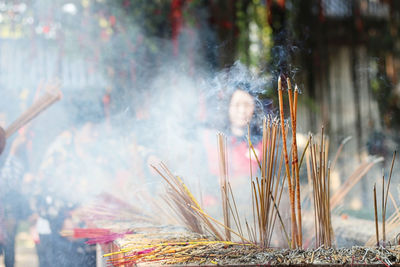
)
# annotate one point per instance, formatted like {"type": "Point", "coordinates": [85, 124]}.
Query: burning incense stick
{"type": "Point", "coordinates": [290, 185]}
{"type": "Point", "coordinates": [52, 95]}
{"type": "Point", "coordinates": [295, 164]}
{"type": "Point", "coordinates": [296, 161]}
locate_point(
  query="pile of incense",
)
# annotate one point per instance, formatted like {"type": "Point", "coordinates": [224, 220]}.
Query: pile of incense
{"type": "Point", "coordinates": [197, 250]}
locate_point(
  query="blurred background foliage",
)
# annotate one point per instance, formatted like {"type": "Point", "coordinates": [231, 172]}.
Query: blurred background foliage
{"type": "Point", "coordinates": [128, 40]}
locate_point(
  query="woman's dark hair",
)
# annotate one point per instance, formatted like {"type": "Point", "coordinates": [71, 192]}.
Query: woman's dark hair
{"type": "Point", "coordinates": [258, 114]}
{"type": "Point", "coordinates": [227, 83]}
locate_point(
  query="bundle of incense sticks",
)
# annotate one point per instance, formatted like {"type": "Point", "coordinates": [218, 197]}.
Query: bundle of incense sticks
{"type": "Point", "coordinates": [180, 199]}
{"type": "Point", "coordinates": [348, 184]}
{"type": "Point", "coordinates": [52, 95]}
{"type": "Point", "coordinates": [319, 174]}
{"type": "Point", "coordinates": [267, 191]}
{"type": "Point", "coordinates": [188, 209]}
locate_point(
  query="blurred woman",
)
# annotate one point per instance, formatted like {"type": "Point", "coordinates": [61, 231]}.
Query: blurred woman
{"type": "Point", "coordinates": [68, 174]}
{"type": "Point", "coordinates": [240, 111]}
{"type": "Point", "coordinates": [14, 204]}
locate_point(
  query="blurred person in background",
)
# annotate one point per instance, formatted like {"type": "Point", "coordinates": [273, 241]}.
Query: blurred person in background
{"type": "Point", "coordinates": [91, 158]}
{"type": "Point", "coordinates": [240, 109]}
{"type": "Point", "coordinates": [72, 171]}
{"type": "Point", "coordinates": [13, 198]}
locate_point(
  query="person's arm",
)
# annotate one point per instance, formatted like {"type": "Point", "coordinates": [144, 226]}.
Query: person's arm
{"type": "Point", "coordinates": [2, 140]}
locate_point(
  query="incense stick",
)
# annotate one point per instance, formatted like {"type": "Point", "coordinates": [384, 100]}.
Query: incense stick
{"type": "Point", "coordinates": [45, 101]}
{"type": "Point", "coordinates": [376, 217]}
{"type": "Point", "coordinates": [291, 191]}
{"type": "Point", "coordinates": [223, 170]}
{"type": "Point", "coordinates": [383, 208]}
{"type": "Point", "coordinates": [384, 202]}
{"type": "Point", "coordinates": [251, 178]}
{"type": "Point", "coordinates": [296, 166]}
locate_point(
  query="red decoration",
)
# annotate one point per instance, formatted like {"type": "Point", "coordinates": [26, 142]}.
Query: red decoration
{"type": "Point", "coordinates": [90, 232]}
{"type": "Point", "coordinates": [106, 99]}
{"type": "Point", "coordinates": [127, 3]}
{"type": "Point", "coordinates": [281, 3]}
{"type": "Point", "coordinates": [106, 106]}
{"type": "Point", "coordinates": [321, 12]}
{"type": "Point", "coordinates": [46, 29]}
{"type": "Point", "coordinates": [112, 20]}
{"type": "Point", "coordinates": [98, 235]}
{"type": "Point", "coordinates": [176, 22]}
{"type": "Point", "coordinates": [227, 24]}
{"type": "Point", "coordinates": [269, 15]}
